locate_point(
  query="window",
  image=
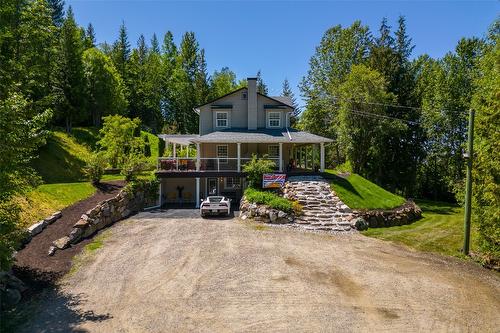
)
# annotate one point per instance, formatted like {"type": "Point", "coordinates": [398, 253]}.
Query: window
{"type": "Point", "coordinates": [221, 119]}
{"type": "Point", "coordinates": [222, 153]}
{"type": "Point", "coordinates": [273, 150]}
{"type": "Point", "coordinates": [244, 95]}
{"type": "Point", "coordinates": [231, 183]}
{"type": "Point", "coordinates": [274, 119]}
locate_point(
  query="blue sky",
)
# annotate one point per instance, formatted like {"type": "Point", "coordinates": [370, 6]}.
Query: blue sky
{"type": "Point", "coordinates": [279, 37]}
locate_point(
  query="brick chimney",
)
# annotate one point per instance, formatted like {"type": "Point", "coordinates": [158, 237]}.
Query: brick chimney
{"type": "Point", "coordinates": [252, 103]}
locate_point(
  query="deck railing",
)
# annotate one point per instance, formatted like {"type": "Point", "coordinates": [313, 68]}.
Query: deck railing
{"type": "Point", "coordinates": [179, 164]}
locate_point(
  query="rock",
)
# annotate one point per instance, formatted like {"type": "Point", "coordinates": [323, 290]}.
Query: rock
{"type": "Point", "coordinates": [37, 228]}
{"type": "Point", "coordinates": [75, 235]}
{"type": "Point", "coordinates": [273, 215]}
{"type": "Point", "coordinates": [81, 224]}
{"type": "Point", "coordinates": [52, 250]}
{"type": "Point", "coordinates": [84, 217]}
{"type": "Point", "coordinates": [51, 219]}
{"type": "Point", "coordinates": [62, 242]}
{"type": "Point", "coordinates": [243, 216]}
{"type": "Point", "coordinates": [360, 224]}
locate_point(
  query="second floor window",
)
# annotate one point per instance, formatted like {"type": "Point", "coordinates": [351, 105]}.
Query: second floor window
{"type": "Point", "coordinates": [221, 119]}
{"type": "Point", "coordinates": [274, 119]}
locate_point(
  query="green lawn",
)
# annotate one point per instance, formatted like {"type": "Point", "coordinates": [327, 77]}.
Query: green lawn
{"type": "Point", "coordinates": [359, 193]}
{"type": "Point", "coordinates": [48, 198]}
{"type": "Point", "coordinates": [440, 230]}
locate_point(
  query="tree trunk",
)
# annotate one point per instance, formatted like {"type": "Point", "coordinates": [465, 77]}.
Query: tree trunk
{"type": "Point", "coordinates": [68, 124]}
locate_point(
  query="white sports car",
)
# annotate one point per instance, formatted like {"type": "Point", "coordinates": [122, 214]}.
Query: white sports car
{"type": "Point", "coordinates": [214, 205]}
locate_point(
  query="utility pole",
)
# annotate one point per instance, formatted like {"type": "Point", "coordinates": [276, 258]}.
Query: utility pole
{"type": "Point", "coordinates": [468, 189]}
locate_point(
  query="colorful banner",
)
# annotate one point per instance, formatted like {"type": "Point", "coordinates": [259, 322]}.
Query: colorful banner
{"type": "Point", "coordinates": [273, 180]}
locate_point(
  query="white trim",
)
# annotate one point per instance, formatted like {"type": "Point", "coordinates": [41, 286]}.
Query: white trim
{"type": "Point", "coordinates": [227, 119]}
{"type": "Point", "coordinates": [268, 114]}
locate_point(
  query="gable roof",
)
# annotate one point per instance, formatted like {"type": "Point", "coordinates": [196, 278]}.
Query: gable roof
{"type": "Point", "coordinates": [283, 100]}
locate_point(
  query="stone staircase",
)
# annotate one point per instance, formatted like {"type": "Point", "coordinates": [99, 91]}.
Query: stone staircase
{"type": "Point", "coordinates": [322, 209]}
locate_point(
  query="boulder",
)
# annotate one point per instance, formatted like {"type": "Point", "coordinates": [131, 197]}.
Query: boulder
{"type": "Point", "coordinates": [360, 224]}
{"type": "Point", "coordinates": [81, 224]}
{"type": "Point", "coordinates": [37, 228]}
{"type": "Point", "coordinates": [75, 235]}
{"type": "Point", "coordinates": [273, 215]}
{"type": "Point", "coordinates": [62, 242]}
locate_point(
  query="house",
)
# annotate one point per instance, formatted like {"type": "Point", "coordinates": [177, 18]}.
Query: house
{"type": "Point", "coordinates": [231, 129]}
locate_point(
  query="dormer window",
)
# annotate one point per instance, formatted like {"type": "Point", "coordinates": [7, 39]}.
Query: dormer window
{"type": "Point", "coordinates": [274, 119]}
{"type": "Point", "coordinates": [221, 119]}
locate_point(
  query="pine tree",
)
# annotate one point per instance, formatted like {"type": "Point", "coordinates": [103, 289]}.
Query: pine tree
{"type": "Point", "coordinates": [90, 37]}
{"type": "Point", "coordinates": [70, 81]}
{"type": "Point", "coordinates": [261, 86]}
{"type": "Point", "coordinates": [287, 91]}
{"type": "Point", "coordinates": [121, 52]}
{"type": "Point", "coordinates": [155, 45]}
{"type": "Point", "coordinates": [57, 8]}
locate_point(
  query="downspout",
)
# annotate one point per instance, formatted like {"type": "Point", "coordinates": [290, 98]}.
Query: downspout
{"type": "Point", "coordinates": [287, 131]}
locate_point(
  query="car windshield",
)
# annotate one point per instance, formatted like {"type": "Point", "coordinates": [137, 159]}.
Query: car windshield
{"type": "Point", "coordinates": [215, 199]}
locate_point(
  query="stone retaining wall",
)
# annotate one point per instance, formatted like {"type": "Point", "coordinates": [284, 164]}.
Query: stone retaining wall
{"type": "Point", "coordinates": [38, 227]}
{"type": "Point", "coordinates": [263, 213]}
{"type": "Point", "coordinates": [124, 204]}
{"type": "Point", "coordinates": [404, 214]}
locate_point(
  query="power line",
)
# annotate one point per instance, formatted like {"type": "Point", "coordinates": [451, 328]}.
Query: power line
{"type": "Point", "coordinates": [394, 105]}
{"type": "Point", "coordinates": [375, 115]}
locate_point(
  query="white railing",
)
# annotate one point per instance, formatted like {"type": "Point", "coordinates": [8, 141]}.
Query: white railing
{"type": "Point", "coordinates": [178, 164]}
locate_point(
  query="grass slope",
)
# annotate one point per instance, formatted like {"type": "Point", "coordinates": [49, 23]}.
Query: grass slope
{"type": "Point", "coordinates": [359, 193]}
{"type": "Point", "coordinates": [48, 198]}
{"type": "Point", "coordinates": [440, 230]}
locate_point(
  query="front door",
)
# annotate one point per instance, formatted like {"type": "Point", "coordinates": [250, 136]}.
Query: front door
{"type": "Point", "coordinates": [212, 186]}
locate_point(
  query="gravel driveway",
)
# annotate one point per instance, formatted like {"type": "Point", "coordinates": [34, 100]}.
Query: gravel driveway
{"type": "Point", "coordinates": [174, 272]}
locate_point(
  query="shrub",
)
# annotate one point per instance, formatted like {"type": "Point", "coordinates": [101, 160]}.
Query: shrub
{"type": "Point", "coordinates": [255, 168]}
{"type": "Point", "coordinates": [133, 165]}
{"type": "Point", "coordinates": [147, 147]}
{"type": "Point", "coordinates": [297, 208]}
{"type": "Point", "coordinates": [268, 198]}
{"type": "Point", "coordinates": [161, 147]}
{"type": "Point", "coordinates": [94, 169]}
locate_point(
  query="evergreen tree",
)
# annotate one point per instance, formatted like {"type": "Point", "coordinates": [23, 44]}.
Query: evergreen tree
{"type": "Point", "coordinates": [121, 52]}
{"type": "Point", "coordinates": [287, 91]}
{"type": "Point", "coordinates": [57, 11]}
{"type": "Point", "coordinates": [155, 45]}
{"type": "Point", "coordinates": [90, 37]}
{"type": "Point", "coordinates": [261, 86]}
{"type": "Point", "coordinates": [70, 78]}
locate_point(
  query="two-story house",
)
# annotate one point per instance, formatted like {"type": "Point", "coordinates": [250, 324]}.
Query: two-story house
{"type": "Point", "coordinates": [231, 129]}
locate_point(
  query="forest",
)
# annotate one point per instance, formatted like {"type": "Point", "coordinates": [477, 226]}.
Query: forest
{"type": "Point", "coordinates": [397, 118]}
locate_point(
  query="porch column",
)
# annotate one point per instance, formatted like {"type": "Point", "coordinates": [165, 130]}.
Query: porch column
{"type": "Point", "coordinates": [281, 156]}
{"type": "Point", "coordinates": [187, 151]}
{"type": "Point", "coordinates": [175, 150]}
{"type": "Point", "coordinates": [197, 192]}
{"type": "Point", "coordinates": [159, 194]}
{"type": "Point", "coordinates": [322, 157]}
{"type": "Point", "coordinates": [198, 145]}
{"type": "Point", "coordinates": [304, 157]}
{"type": "Point", "coordinates": [314, 156]}
{"type": "Point", "coordinates": [238, 151]}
